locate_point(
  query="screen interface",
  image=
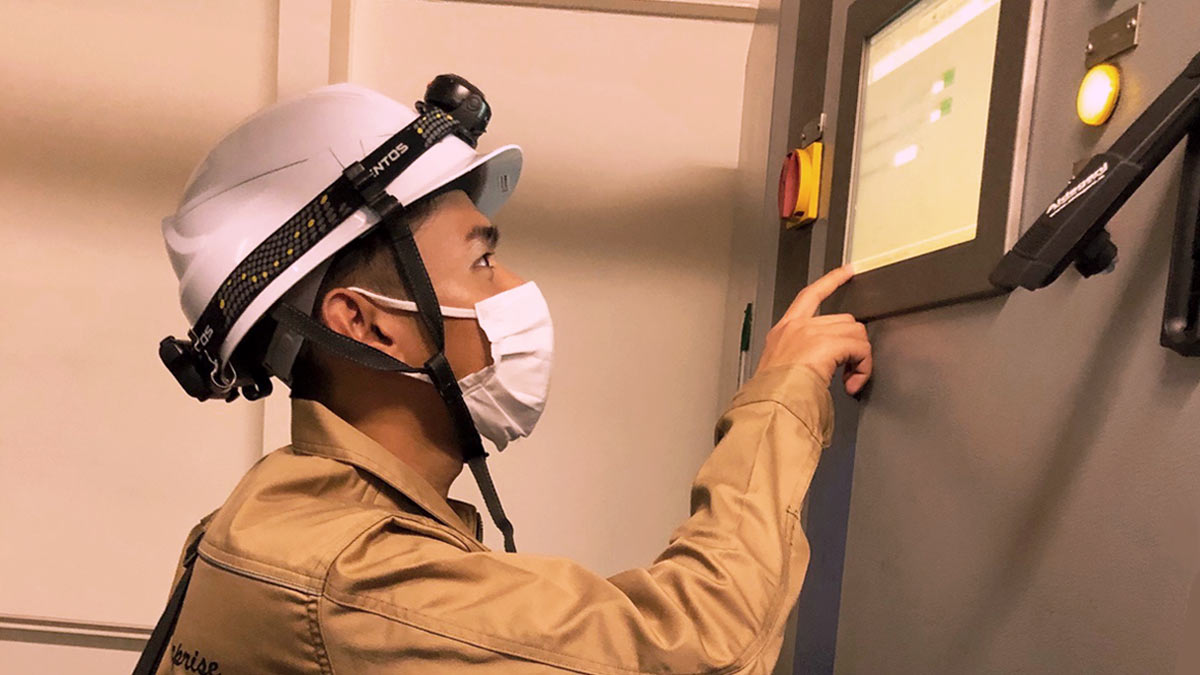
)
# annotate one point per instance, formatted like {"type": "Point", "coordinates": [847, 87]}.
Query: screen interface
{"type": "Point", "coordinates": [918, 164]}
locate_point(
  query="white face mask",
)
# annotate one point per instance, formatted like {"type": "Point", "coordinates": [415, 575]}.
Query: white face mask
{"type": "Point", "coordinates": [507, 397]}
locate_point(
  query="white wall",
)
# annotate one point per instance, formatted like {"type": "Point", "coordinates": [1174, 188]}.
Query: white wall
{"type": "Point", "coordinates": [104, 463]}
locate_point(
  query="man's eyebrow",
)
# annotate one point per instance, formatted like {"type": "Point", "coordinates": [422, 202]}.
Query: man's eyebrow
{"type": "Point", "coordinates": [490, 234]}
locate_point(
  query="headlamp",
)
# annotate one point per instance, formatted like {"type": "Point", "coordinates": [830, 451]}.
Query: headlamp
{"type": "Point", "coordinates": [463, 101]}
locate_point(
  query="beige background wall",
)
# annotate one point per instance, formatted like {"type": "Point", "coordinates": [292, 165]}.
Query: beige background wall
{"type": "Point", "coordinates": [624, 217]}
{"type": "Point", "coordinates": [104, 465]}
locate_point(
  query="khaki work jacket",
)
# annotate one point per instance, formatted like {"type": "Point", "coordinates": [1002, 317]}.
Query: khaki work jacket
{"type": "Point", "coordinates": [332, 556]}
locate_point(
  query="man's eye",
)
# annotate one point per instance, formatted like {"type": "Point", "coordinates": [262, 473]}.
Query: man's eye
{"type": "Point", "coordinates": [485, 260]}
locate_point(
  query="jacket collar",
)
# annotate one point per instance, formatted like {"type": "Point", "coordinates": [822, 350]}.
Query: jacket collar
{"type": "Point", "coordinates": [316, 430]}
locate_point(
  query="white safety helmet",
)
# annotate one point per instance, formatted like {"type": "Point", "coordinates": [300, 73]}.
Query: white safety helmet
{"type": "Point", "coordinates": [264, 171]}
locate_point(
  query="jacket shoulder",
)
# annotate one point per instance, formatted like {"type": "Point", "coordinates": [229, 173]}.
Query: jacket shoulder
{"type": "Point", "coordinates": [290, 516]}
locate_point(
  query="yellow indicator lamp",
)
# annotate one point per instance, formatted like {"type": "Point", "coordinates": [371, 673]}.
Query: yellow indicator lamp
{"type": "Point", "coordinates": [1098, 94]}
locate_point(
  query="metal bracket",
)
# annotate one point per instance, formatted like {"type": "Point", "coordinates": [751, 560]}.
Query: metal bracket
{"type": "Point", "coordinates": [813, 131]}
{"type": "Point", "coordinates": [1115, 36]}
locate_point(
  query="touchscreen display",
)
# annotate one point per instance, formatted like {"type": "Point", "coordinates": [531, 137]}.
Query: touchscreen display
{"type": "Point", "coordinates": [918, 162]}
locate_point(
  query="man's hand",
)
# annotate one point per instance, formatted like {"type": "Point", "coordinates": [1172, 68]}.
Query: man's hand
{"type": "Point", "coordinates": [821, 342]}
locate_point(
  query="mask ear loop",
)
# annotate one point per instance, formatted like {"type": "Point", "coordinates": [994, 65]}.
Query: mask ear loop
{"type": "Point", "coordinates": [337, 344]}
{"type": "Point", "coordinates": [410, 306]}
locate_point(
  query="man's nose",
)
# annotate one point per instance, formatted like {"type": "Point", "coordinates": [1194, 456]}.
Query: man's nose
{"type": "Point", "coordinates": [506, 278]}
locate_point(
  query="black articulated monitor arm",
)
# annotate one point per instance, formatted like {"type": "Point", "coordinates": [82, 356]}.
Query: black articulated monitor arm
{"type": "Point", "coordinates": [1072, 229]}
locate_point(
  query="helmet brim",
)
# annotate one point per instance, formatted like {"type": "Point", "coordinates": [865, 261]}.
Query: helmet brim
{"type": "Point", "coordinates": [493, 177]}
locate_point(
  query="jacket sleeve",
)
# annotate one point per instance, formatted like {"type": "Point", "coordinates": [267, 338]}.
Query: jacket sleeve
{"type": "Point", "coordinates": [714, 601]}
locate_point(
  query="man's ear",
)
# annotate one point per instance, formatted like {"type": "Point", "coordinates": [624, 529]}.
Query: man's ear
{"type": "Point", "coordinates": [349, 313]}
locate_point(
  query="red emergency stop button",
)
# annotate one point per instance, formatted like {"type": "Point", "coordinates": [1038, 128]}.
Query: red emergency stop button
{"type": "Point", "coordinates": [800, 185]}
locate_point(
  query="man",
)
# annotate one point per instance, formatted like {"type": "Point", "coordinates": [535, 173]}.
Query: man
{"type": "Point", "coordinates": [342, 552]}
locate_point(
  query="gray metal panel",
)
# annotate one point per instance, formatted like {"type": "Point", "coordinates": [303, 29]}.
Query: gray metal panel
{"type": "Point", "coordinates": [1026, 494]}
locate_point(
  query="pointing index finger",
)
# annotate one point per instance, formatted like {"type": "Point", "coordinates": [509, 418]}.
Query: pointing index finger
{"type": "Point", "coordinates": [809, 300]}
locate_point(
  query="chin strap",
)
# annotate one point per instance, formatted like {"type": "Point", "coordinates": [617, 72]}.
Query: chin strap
{"type": "Point", "coordinates": [416, 279]}
{"type": "Point", "coordinates": [488, 489]}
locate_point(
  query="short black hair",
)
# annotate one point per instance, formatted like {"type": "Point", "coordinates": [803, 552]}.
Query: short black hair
{"type": "Point", "coordinates": [368, 261]}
